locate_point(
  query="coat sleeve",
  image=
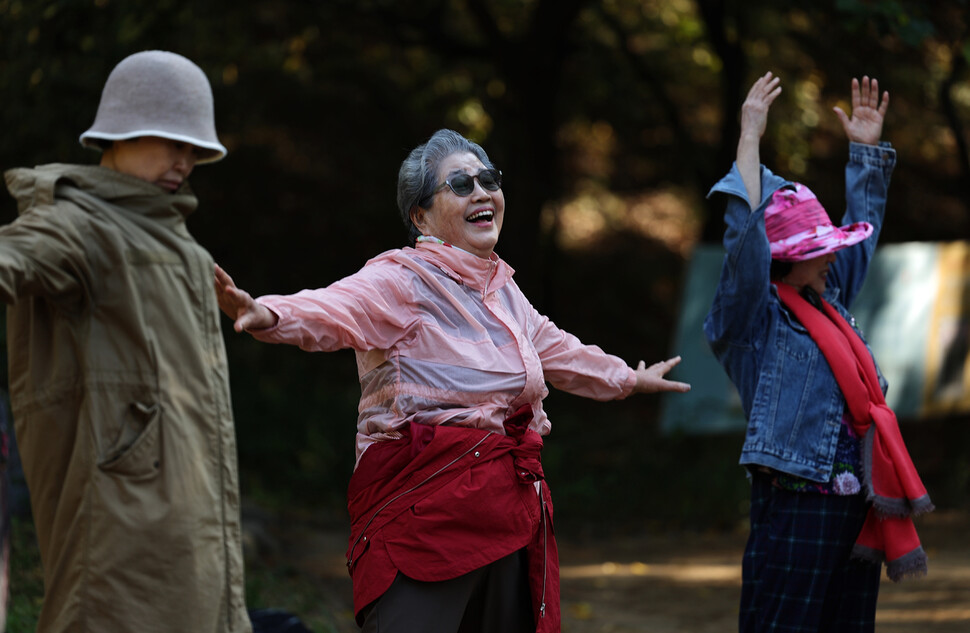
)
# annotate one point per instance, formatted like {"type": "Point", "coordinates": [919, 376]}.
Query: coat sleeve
{"type": "Point", "coordinates": [42, 253]}
{"type": "Point", "coordinates": [867, 176]}
{"type": "Point", "coordinates": [584, 370]}
{"type": "Point", "coordinates": [743, 291]}
{"type": "Point", "coordinates": [371, 309]}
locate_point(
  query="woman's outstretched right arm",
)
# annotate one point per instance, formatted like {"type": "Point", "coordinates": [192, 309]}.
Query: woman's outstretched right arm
{"type": "Point", "coordinates": [239, 305]}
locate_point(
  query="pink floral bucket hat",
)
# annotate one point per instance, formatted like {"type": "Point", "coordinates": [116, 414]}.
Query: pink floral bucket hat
{"type": "Point", "coordinates": [798, 227]}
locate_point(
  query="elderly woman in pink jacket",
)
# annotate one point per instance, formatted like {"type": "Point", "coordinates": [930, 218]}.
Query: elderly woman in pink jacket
{"type": "Point", "coordinates": [451, 517]}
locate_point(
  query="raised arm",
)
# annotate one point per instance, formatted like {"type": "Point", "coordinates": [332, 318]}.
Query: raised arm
{"type": "Point", "coordinates": [867, 177]}
{"type": "Point", "coordinates": [868, 112]}
{"type": "Point", "coordinates": [754, 119]}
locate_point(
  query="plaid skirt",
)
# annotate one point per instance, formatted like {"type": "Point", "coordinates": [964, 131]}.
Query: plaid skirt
{"type": "Point", "coordinates": [797, 572]}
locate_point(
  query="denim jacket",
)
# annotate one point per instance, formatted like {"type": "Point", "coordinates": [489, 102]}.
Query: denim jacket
{"type": "Point", "coordinates": [790, 397]}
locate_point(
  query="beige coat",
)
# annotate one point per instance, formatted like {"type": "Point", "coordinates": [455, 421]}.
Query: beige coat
{"type": "Point", "coordinates": [120, 397]}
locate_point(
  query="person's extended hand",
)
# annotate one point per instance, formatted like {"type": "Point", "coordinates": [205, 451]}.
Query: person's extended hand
{"type": "Point", "coordinates": [868, 112]}
{"type": "Point", "coordinates": [651, 379]}
{"type": "Point", "coordinates": [239, 305]}
{"type": "Point", "coordinates": [754, 110]}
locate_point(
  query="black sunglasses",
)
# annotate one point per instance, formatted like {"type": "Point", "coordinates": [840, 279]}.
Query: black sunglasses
{"type": "Point", "coordinates": [464, 184]}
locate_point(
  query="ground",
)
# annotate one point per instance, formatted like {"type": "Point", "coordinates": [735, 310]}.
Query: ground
{"type": "Point", "coordinates": [673, 583]}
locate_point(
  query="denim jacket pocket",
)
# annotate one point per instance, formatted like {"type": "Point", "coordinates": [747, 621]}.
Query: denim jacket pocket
{"type": "Point", "coordinates": [791, 322]}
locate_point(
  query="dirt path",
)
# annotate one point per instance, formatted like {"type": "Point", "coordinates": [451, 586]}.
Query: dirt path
{"type": "Point", "coordinates": [685, 583]}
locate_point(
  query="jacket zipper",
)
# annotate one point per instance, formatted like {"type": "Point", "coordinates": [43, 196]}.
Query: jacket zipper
{"type": "Point", "coordinates": [492, 268]}
{"type": "Point", "coordinates": [351, 559]}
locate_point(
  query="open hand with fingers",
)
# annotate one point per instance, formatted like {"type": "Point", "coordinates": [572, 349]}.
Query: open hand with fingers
{"type": "Point", "coordinates": [651, 379]}
{"type": "Point", "coordinates": [868, 112]}
{"type": "Point", "coordinates": [240, 306]}
{"type": "Point", "coordinates": [754, 110]}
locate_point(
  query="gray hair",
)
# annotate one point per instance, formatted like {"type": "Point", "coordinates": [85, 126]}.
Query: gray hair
{"type": "Point", "coordinates": [418, 177]}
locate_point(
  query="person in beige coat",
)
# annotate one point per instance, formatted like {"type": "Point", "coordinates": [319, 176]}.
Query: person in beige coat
{"type": "Point", "coordinates": [118, 377]}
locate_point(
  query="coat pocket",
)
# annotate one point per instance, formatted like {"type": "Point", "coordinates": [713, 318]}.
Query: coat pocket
{"type": "Point", "coordinates": [137, 452]}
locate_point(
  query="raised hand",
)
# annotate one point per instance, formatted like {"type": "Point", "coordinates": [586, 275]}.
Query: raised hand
{"type": "Point", "coordinates": [868, 112]}
{"type": "Point", "coordinates": [754, 118]}
{"type": "Point", "coordinates": [754, 110]}
{"type": "Point", "coordinates": [651, 379]}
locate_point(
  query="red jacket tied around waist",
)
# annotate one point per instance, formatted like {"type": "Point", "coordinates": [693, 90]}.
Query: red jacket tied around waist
{"type": "Point", "coordinates": [444, 501]}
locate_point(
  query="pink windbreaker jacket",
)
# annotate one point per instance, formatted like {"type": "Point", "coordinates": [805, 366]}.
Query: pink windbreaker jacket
{"type": "Point", "coordinates": [443, 337]}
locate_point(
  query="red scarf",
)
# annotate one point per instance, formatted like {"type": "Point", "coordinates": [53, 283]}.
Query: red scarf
{"type": "Point", "coordinates": [892, 483]}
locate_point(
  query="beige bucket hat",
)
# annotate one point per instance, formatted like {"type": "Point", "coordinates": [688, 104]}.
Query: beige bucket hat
{"type": "Point", "coordinates": [157, 93]}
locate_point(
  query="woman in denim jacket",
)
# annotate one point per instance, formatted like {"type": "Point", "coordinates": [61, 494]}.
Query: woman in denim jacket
{"type": "Point", "coordinates": [809, 500]}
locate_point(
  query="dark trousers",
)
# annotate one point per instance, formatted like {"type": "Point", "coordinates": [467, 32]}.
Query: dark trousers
{"type": "Point", "coordinates": [797, 572]}
{"type": "Point", "coordinates": [492, 599]}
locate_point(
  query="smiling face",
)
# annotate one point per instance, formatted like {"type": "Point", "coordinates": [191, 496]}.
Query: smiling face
{"type": "Point", "coordinates": [472, 222]}
{"type": "Point", "coordinates": [810, 272]}
{"type": "Point", "coordinates": [160, 161]}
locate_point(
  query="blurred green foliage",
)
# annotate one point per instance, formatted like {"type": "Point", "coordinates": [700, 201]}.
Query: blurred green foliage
{"type": "Point", "coordinates": [26, 577]}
